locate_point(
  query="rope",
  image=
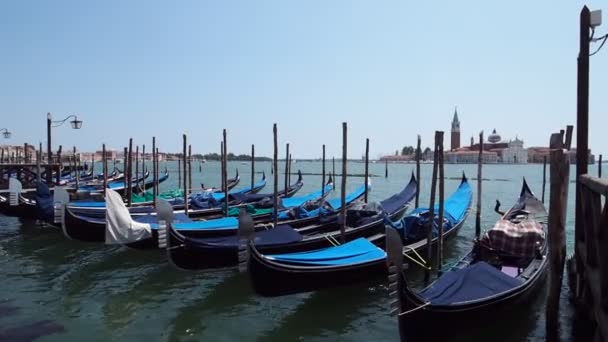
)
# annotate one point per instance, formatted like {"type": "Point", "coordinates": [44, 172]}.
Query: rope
{"type": "Point", "coordinates": [415, 309]}
{"type": "Point", "coordinates": [421, 262]}
{"type": "Point", "coordinates": [176, 247]}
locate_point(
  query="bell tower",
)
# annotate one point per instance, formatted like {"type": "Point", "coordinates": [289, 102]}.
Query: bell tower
{"type": "Point", "coordinates": [455, 138]}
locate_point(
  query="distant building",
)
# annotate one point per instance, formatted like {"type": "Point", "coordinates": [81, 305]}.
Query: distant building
{"type": "Point", "coordinates": [515, 153]}
{"type": "Point", "coordinates": [455, 133]}
{"type": "Point", "coordinates": [537, 154]}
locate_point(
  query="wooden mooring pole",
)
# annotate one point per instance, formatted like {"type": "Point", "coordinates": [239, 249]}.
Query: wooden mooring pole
{"type": "Point", "coordinates": [599, 167]}
{"type": "Point", "coordinates": [154, 194]}
{"type": "Point", "coordinates": [323, 173]}
{"type": "Point", "coordinates": [418, 156]}
{"type": "Point", "coordinates": [430, 223]}
{"type": "Point", "coordinates": [225, 173]}
{"type": "Point", "coordinates": [137, 169]}
{"type": "Point", "coordinates": [343, 188]}
{"type": "Point", "coordinates": [252, 165]}
{"type": "Point", "coordinates": [222, 165]}
{"type": "Point", "coordinates": [479, 182]}
{"type": "Point", "coordinates": [184, 156]}
{"type": "Point", "coordinates": [558, 205]}
{"type": "Point", "coordinates": [544, 177]}
{"type": "Point", "coordinates": [333, 162]}
{"type": "Point", "coordinates": [441, 205]}
{"type": "Point", "coordinates": [286, 167]}
{"type": "Point", "coordinates": [275, 163]}
{"type": "Point", "coordinates": [385, 168]}
{"type": "Point", "coordinates": [129, 167]}
{"type": "Point", "coordinates": [104, 163]}
{"type": "Point", "coordinates": [366, 169]}
{"type": "Point", "coordinates": [189, 169]}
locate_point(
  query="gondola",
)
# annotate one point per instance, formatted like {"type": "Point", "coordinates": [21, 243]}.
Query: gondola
{"type": "Point", "coordinates": [360, 259]}
{"type": "Point", "coordinates": [79, 224]}
{"type": "Point", "coordinates": [119, 228]}
{"type": "Point", "coordinates": [364, 221]}
{"type": "Point", "coordinates": [503, 271]}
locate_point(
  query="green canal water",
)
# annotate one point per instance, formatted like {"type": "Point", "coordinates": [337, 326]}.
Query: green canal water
{"type": "Point", "coordinates": [69, 290]}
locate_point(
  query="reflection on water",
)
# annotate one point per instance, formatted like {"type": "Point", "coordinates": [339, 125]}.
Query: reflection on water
{"type": "Point", "coordinates": [66, 289]}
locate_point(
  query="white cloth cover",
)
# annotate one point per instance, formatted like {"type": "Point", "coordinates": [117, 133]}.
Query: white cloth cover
{"type": "Point", "coordinates": [120, 227]}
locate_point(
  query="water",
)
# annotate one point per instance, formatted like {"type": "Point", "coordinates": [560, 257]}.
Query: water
{"type": "Point", "coordinates": [64, 289]}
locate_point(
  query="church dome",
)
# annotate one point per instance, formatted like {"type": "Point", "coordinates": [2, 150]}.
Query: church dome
{"type": "Point", "coordinates": [494, 137]}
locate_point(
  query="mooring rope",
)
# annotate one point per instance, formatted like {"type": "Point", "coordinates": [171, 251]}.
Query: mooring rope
{"type": "Point", "coordinates": [415, 309]}
{"type": "Point", "coordinates": [420, 262]}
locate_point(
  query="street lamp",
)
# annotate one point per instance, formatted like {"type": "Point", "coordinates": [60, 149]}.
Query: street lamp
{"type": "Point", "coordinates": [6, 133]}
{"type": "Point", "coordinates": [75, 123]}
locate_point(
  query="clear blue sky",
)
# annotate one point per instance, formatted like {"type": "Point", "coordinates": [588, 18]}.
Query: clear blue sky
{"type": "Point", "coordinates": [391, 69]}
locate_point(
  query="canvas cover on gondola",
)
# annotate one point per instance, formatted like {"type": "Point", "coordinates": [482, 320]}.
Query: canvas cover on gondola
{"type": "Point", "coordinates": [282, 234]}
{"type": "Point", "coordinates": [120, 227]}
{"type": "Point", "coordinates": [480, 280]}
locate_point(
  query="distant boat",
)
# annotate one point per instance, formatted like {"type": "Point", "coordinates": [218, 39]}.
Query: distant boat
{"type": "Point", "coordinates": [244, 163]}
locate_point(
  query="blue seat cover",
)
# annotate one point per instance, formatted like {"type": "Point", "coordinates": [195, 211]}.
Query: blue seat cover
{"type": "Point", "coordinates": [353, 252]}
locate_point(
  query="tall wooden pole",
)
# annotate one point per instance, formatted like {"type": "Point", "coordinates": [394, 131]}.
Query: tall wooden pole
{"type": "Point", "coordinates": [544, 178]}
{"type": "Point", "coordinates": [343, 188]}
{"type": "Point", "coordinates": [77, 174]}
{"type": "Point", "coordinates": [479, 180]}
{"type": "Point", "coordinates": [104, 161]}
{"type": "Point", "coordinates": [385, 168]}
{"type": "Point", "coordinates": [366, 169]}
{"type": "Point", "coordinates": [225, 174]}
{"type": "Point", "coordinates": [189, 169]}
{"type": "Point", "coordinates": [275, 197]}
{"type": "Point", "coordinates": [59, 164]}
{"type": "Point", "coordinates": [288, 173]}
{"type": "Point", "coordinates": [333, 163]}
{"type": "Point", "coordinates": [125, 169]}
{"type": "Point", "coordinates": [137, 169]}
{"type": "Point", "coordinates": [222, 165]}
{"type": "Point", "coordinates": [418, 156]}
{"type": "Point", "coordinates": [130, 172]}
{"type": "Point", "coordinates": [143, 165]}
{"type": "Point", "coordinates": [184, 156]}
{"type": "Point", "coordinates": [49, 152]}
{"type": "Point", "coordinates": [441, 204]}
{"type": "Point", "coordinates": [560, 170]}
{"type": "Point", "coordinates": [252, 165]}
{"type": "Point", "coordinates": [599, 168]}
{"type": "Point", "coordinates": [582, 128]}
{"type": "Point", "coordinates": [323, 173]}
{"type": "Point", "coordinates": [179, 171]}
{"type": "Point", "coordinates": [430, 224]}
{"type": "Point", "coordinates": [156, 183]}
{"type": "Point", "coordinates": [154, 194]}
{"type": "Point", "coordinates": [286, 167]}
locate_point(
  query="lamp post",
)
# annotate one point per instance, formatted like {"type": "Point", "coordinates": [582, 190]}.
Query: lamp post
{"type": "Point", "coordinates": [6, 133]}
{"type": "Point", "coordinates": [76, 124]}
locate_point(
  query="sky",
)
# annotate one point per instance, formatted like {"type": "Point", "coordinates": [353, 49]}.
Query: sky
{"type": "Point", "coordinates": [390, 69]}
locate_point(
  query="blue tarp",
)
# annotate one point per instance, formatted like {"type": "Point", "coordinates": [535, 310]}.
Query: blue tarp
{"type": "Point", "coordinates": [477, 281]}
{"type": "Point", "coordinates": [292, 202]}
{"type": "Point", "coordinates": [336, 203]}
{"type": "Point", "coordinates": [455, 209]}
{"type": "Point", "coordinates": [44, 202]}
{"type": "Point", "coordinates": [220, 195]}
{"type": "Point", "coordinates": [397, 201]}
{"type": "Point", "coordinates": [353, 252]}
{"type": "Point", "coordinates": [277, 236]}
{"type": "Point", "coordinates": [219, 224]}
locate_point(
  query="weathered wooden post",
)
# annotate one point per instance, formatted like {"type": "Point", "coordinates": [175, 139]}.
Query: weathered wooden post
{"type": "Point", "coordinates": [599, 168]}
{"type": "Point", "coordinates": [129, 167]}
{"type": "Point", "coordinates": [125, 170]}
{"type": "Point", "coordinates": [137, 169]}
{"type": "Point", "coordinates": [179, 171]}
{"type": "Point", "coordinates": [184, 156]}
{"type": "Point", "coordinates": [289, 172]}
{"type": "Point", "coordinates": [323, 172]}
{"type": "Point", "coordinates": [544, 177]}
{"type": "Point", "coordinates": [225, 174]}
{"type": "Point", "coordinates": [275, 162]}
{"type": "Point", "coordinates": [77, 170]}
{"type": "Point", "coordinates": [333, 161]}
{"type": "Point", "coordinates": [156, 183]}
{"type": "Point", "coordinates": [479, 180]}
{"type": "Point", "coordinates": [430, 223]}
{"type": "Point", "coordinates": [366, 168]}
{"type": "Point", "coordinates": [286, 167]}
{"type": "Point", "coordinates": [189, 169]}
{"type": "Point", "coordinates": [441, 205]}
{"type": "Point", "coordinates": [418, 156]}
{"type": "Point", "coordinates": [386, 168]}
{"type": "Point", "coordinates": [582, 134]}
{"type": "Point", "coordinates": [104, 162]}
{"type": "Point", "coordinates": [59, 164]}
{"type": "Point", "coordinates": [222, 164]}
{"type": "Point", "coordinates": [343, 188]}
{"type": "Point", "coordinates": [252, 165]}
{"type": "Point", "coordinates": [560, 170]}
{"type": "Point", "coordinates": [143, 167]}
{"type": "Point", "coordinates": [154, 193]}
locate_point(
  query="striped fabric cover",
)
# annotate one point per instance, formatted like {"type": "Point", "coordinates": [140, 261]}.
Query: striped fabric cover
{"type": "Point", "coordinates": [518, 239]}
